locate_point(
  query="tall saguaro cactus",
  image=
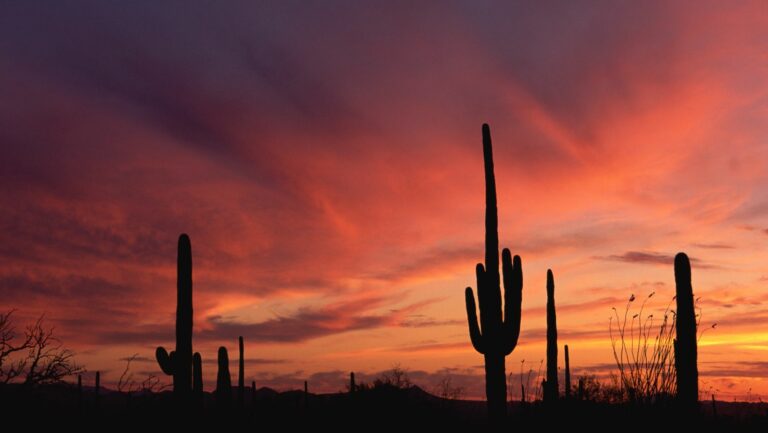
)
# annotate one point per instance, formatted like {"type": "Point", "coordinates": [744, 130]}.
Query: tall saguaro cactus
{"type": "Point", "coordinates": [685, 344]}
{"type": "Point", "coordinates": [179, 362]}
{"type": "Point", "coordinates": [497, 333]}
{"type": "Point", "coordinates": [552, 389]}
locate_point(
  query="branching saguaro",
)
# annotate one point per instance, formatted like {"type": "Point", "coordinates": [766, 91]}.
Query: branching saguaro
{"type": "Point", "coordinates": [495, 336]}
{"type": "Point", "coordinates": [685, 329]}
{"type": "Point", "coordinates": [178, 363]}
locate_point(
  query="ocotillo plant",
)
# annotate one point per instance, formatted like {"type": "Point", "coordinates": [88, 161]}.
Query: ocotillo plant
{"type": "Point", "coordinates": [223, 379]}
{"type": "Point", "coordinates": [197, 374]}
{"type": "Point", "coordinates": [241, 376]}
{"type": "Point", "coordinates": [685, 328]}
{"type": "Point", "coordinates": [179, 362]}
{"type": "Point", "coordinates": [551, 391]}
{"type": "Point", "coordinates": [496, 335]}
{"type": "Point", "coordinates": [567, 374]}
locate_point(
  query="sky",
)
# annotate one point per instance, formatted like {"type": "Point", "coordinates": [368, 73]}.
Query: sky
{"type": "Point", "coordinates": [325, 158]}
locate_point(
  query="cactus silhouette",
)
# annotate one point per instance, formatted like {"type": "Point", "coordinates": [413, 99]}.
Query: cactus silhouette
{"type": "Point", "coordinates": [352, 385]}
{"type": "Point", "coordinates": [241, 376]}
{"type": "Point", "coordinates": [567, 374]}
{"type": "Point", "coordinates": [197, 374]}
{"type": "Point", "coordinates": [179, 362]}
{"type": "Point", "coordinates": [580, 395]}
{"type": "Point", "coordinates": [551, 391]}
{"type": "Point", "coordinates": [97, 390]}
{"type": "Point", "coordinates": [223, 379]}
{"type": "Point", "coordinates": [496, 335]}
{"type": "Point", "coordinates": [685, 343]}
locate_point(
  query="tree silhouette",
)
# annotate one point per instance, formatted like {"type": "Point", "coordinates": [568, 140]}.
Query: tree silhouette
{"type": "Point", "coordinates": [35, 356]}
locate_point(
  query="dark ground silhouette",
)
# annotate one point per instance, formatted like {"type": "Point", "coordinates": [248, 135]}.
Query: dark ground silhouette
{"type": "Point", "coordinates": [384, 407]}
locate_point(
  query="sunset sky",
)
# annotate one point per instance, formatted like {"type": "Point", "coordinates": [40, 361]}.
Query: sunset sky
{"type": "Point", "coordinates": [326, 160]}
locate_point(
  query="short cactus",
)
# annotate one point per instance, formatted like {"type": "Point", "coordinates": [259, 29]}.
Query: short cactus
{"type": "Point", "coordinates": [223, 379]}
{"type": "Point", "coordinates": [197, 374]}
{"type": "Point", "coordinates": [241, 376]}
{"type": "Point", "coordinates": [567, 374]}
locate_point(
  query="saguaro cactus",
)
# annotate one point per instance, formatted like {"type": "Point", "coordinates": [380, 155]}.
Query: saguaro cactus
{"type": "Point", "coordinates": [352, 386]}
{"type": "Point", "coordinates": [685, 344]}
{"type": "Point", "coordinates": [496, 335]}
{"type": "Point", "coordinates": [223, 379]}
{"type": "Point", "coordinates": [567, 374]}
{"type": "Point", "coordinates": [551, 391]}
{"type": "Point", "coordinates": [241, 376]}
{"type": "Point", "coordinates": [179, 362]}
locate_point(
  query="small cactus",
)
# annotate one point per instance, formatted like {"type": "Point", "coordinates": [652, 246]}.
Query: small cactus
{"type": "Point", "coordinates": [352, 386]}
{"type": "Point", "coordinates": [79, 392]}
{"type": "Point", "coordinates": [685, 343]}
{"type": "Point", "coordinates": [496, 335]}
{"type": "Point", "coordinates": [197, 374]}
{"type": "Point", "coordinates": [178, 363]}
{"type": "Point", "coordinates": [97, 390]}
{"type": "Point", "coordinates": [567, 374]}
{"type": "Point", "coordinates": [241, 376]}
{"type": "Point", "coordinates": [223, 379]}
{"type": "Point", "coordinates": [551, 391]}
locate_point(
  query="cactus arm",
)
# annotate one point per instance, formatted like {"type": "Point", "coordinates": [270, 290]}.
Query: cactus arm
{"type": "Point", "coordinates": [513, 299]}
{"type": "Point", "coordinates": [165, 360]}
{"type": "Point", "coordinates": [474, 328]}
